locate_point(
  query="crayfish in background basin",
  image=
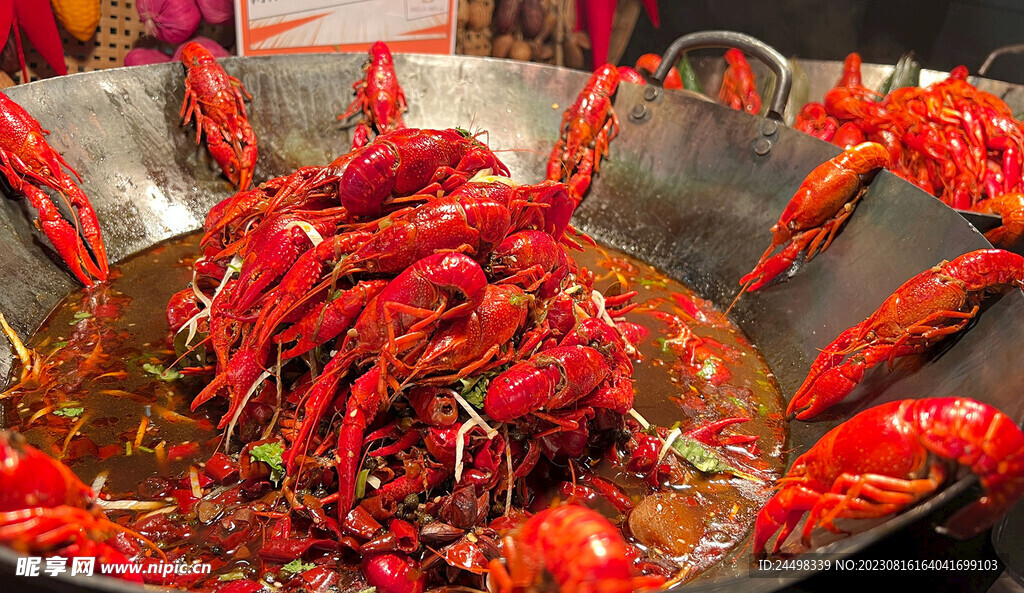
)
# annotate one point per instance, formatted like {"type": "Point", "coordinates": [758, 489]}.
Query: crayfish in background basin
{"type": "Point", "coordinates": [958, 143]}
{"type": "Point", "coordinates": [881, 461]}
{"type": "Point", "coordinates": [587, 127]}
{"type": "Point", "coordinates": [739, 89]}
{"type": "Point", "coordinates": [378, 96]}
{"type": "Point", "coordinates": [216, 101]}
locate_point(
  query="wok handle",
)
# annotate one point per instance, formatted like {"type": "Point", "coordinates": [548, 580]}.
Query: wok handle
{"type": "Point", "coordinates": [775, 61]}
{"type": "Point", "coordinates": [999, 51]}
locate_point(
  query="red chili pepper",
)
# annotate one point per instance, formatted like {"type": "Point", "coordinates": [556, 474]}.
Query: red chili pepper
{"type": "Point", "coordinates": [240, 586]}
{"type": "Point", "coordinates": [288, 549]}
{"type": "Point", "coordinates": [645, 454]}
{"type": "Point", "coordinates": [360, 522]}
{"type": "Point", "coordinates": [612, 493]}
{"type": "Point", "coordinates": [222, 468]}
{"type": "Point", "coordinates": [185, 499]}
{"type": "Point", "coordinates": [183, 450]}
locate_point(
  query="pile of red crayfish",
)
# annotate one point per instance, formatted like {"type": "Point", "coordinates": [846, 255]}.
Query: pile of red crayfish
{"type": "Point", "coordinates": [958, 143]}
{"type": "Point", "coordinates": [352, 302]}
{"type": "Point", "coordinates": [409, 320]}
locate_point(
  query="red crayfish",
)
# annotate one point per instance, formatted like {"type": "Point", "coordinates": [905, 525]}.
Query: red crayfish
{"type": "Point", "coordinates": [1011, 208]}
{"type": "Point", "coordinates": [817, 211]}
{"type": "Point", "coordinates": [378, 96]}
{"type": "Point", "coordinates": [587, 127]}
{"type": "Point", "coordinates": [925, 309]}
{"type": "Point", "coordinates": [577, 548]}
{"type": "Point", "coordinates": [27, 161]}
{"type": "Point", "coordinates": [958, 143]}
{"type": "Point", "coordinates": [739, 90]}
{"type": "Point", "coordinates": [877, 463]}
{"type": "Point", "coordinates": [46, 510]}
{"type": "Point", "coordinates": [217, 102]}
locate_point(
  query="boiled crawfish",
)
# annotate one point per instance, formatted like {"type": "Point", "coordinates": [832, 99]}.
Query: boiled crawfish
{"type": "Point", "coordinates": [817, 211]}
{"type": "Point", "coordinates": [577, 548]}
{"type": "Point", "coordinates": [46, 510]}
{"type": "Point", "coordinates": [587, 127]}
{"type": "Point", "coordinates": [739, 90]}
{"type": "Point", "coordinates": [877, 463]}
{"type": "Point", "coordinates": [217, 102]}
{"type": "Point", "coordinates": [27, 161]}
{"type": "Point", "coordinates": [366, 181]}
{"type": "Point", "coordinates": [952, 140]}
{"type": "Point", "coordinates": [930, 306]}
{"type": "Point", "coordinates": [1011, 208]}
{"type": "Point", "coordinates": [378, 96]}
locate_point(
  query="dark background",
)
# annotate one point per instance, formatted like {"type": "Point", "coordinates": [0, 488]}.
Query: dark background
{"type": "Point", "coordinates": [942, 33]}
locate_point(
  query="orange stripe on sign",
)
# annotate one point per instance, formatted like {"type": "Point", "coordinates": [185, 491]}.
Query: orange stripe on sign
{"type": "Point", "coordinates": [258, 34]}
{"type": "Point", "coordinates": [442, 29]}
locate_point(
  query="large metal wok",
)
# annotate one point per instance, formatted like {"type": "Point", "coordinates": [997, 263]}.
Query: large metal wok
{"type": "Point", "coordinates": [683, 189]}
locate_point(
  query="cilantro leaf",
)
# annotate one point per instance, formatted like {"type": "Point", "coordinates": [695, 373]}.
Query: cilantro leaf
{"type": "Point", "coordinates": [297, 566]}
{"type": "Point", "coordinates": [518, 299]}
{"type": "Point", "coordinates": [80, 316]}
{"type": "Point", "coordinates": [69, 412]}
{"type": "Point", "coordinates": [159, 371]}
{"type": "Point", "coordinates": [270, 453]}
{"type": "Point", "coordinates": [710, 368]}
{"type": "Point", "coordinates": [706, 459]}
{"type": "Point", "coordinates": [474, 389]}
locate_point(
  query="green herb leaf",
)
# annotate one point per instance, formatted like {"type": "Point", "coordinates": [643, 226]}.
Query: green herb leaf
{"type": "Point", "coordinates": [518, 300]}
{"type": "Point", "coordinates": [69, 412]}
{"type": "Point", "coordinates": [163, 374]}
{"type": "Point", "coordinates": [80, 316]}
{"type": "Point", "coordinates": [297, 566]}
{"type": "Point", "coordinates": [192, 353]}
{"type": "Point", "coordinates": [706, 459]}
{"type": "Point", "coordinates": [474, 389]}
{"type": "Point", "coordinates": [710, 368]}
{"type": "Point", "coordinates": [59, 345]}
{"type": "Point", "coordinates": [270, 453]}
{"type": "Point", "coordinates": [154, 369]}
{"type": "Point", "coordinates": [689, 77]}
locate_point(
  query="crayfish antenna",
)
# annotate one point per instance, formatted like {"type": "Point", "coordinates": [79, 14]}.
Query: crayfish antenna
{"type": "Point", "coordinates": [743, 289]}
